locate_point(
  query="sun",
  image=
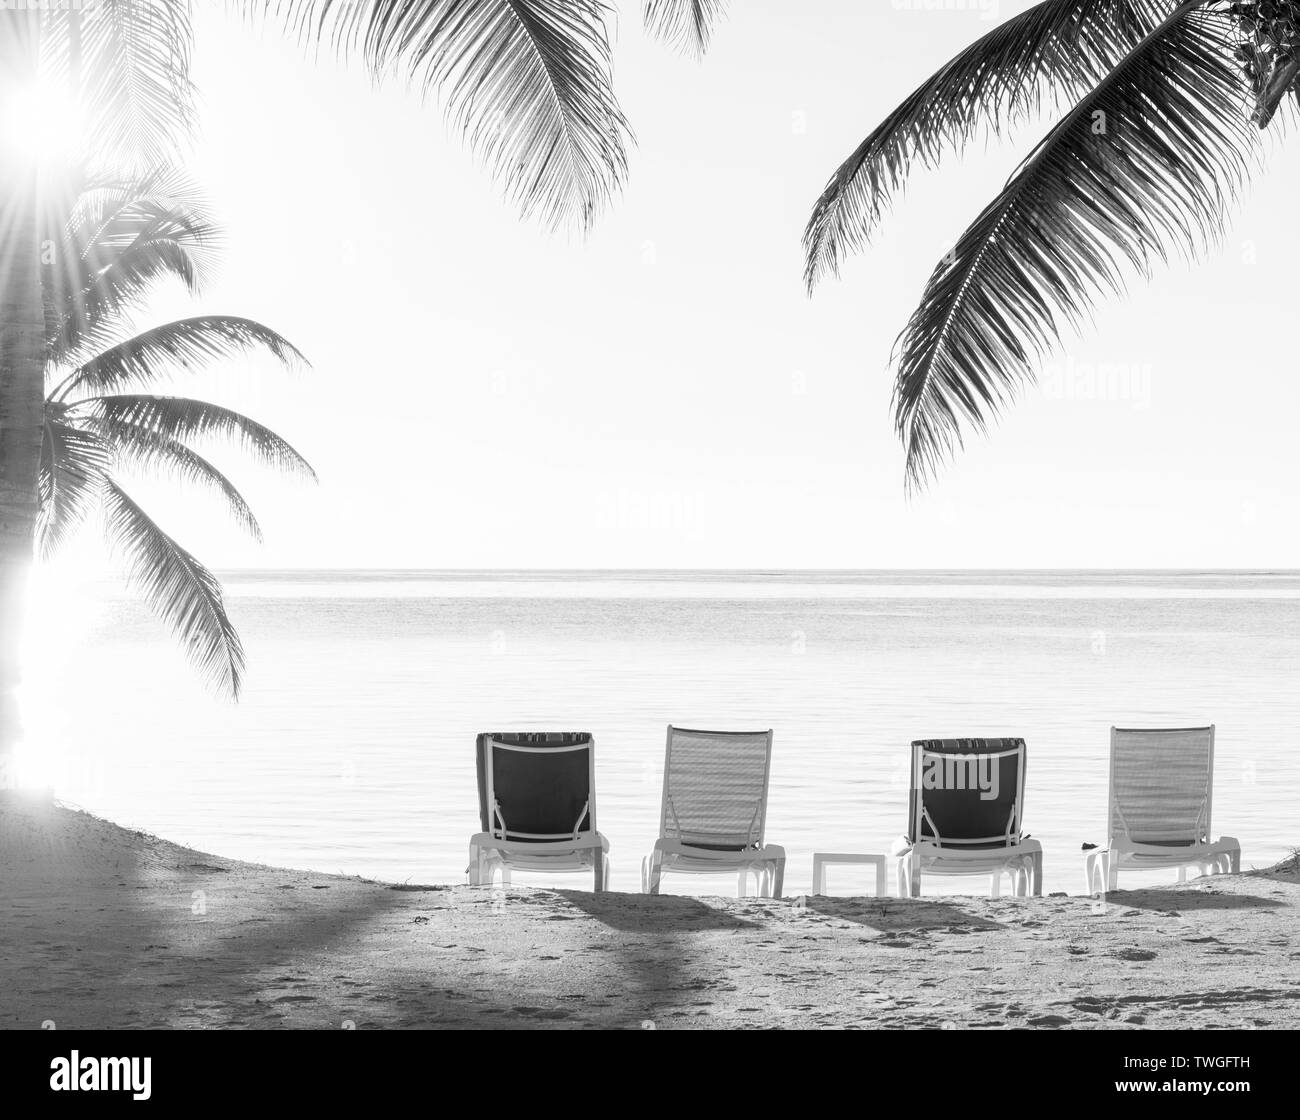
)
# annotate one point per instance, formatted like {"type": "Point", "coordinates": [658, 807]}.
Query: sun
{"type": "Point", "coordinates": [42, 122]}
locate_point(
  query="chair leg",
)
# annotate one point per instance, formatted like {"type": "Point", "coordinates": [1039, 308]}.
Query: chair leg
{"type": "Point", "coordinates": [1089, 874]}
{"type": "Point", "coordinates": [474, 872]}
{"type": "Point", "coordinates": [1111, 865]}
{"type": "Point", "coordinates": [742, 882]}
{"type": "Point", "coordinates": [1234, 860]}
{"type": "Point", "coordinates": [505, 875]}
{"type": "Point", "coordinates": [778, 879]}
{"type": "Point", "coordinates": [656, 871]}
{"type": "Point", "coordinates": [600, 872]}
{"type": "Point", "coordinates": [914, 876]}
{"type": "Point", "coordinates": [1182, 872]}
{"type": "Point", "coordinates": [995, 885]}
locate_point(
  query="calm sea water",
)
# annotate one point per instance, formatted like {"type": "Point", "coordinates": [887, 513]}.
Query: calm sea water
{"type": "Point", "coordinates": [352, 749]}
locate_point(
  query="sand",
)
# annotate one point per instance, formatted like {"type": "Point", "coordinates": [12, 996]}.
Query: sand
{"type": "Point", "coordinates": [102, 927]}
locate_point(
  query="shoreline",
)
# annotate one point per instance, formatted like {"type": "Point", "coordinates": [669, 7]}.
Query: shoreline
{"type": "Point", "coordinates": [104, 927]}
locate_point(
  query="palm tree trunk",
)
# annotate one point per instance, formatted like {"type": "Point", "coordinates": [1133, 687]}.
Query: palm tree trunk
{"type": "Point", "coordinates": [22, 369]}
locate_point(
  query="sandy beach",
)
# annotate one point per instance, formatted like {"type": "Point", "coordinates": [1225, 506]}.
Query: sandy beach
{"type": "Point", "coordinates": [102, 927]}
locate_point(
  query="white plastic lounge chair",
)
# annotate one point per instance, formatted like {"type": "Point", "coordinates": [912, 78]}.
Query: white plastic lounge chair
{"type": "Point", "coordinates": [537, 806]}
{"type": "Point", "coordinates": [966, 806]}
{"type": "Point", "coordinates": [1161, 781]}
{"type": "Point", "coordinates": [715, 810]}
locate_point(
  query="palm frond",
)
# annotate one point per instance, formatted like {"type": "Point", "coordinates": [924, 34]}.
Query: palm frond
{"type": "Point", "coordinates": [1284, 79]}
{"type": "Point", "coordinates": [181, 591]}
{"type": "Point", "coordinates": [118, 241]}
{"type": "Point", "coordinates": [1058, 48]}
{"type": "Point", "coordinates": [184, 344]}
{"type": "Point", "coordinates": [140, 417]}
{"type": "Point", "coordinates": [1144, 165]}
{"type": "Point", "coordinates": [687, 24]}
{"type": "Point", "coordinates": [157, 452]}
{"type": "Point", "coordinates": [130, 63]}
{"type": "Point", "coordinates": [526, 82]}
{"type": "Point", "coordinates": [74, 466]}
{"type": "Point", "coordinates": [116, 203]}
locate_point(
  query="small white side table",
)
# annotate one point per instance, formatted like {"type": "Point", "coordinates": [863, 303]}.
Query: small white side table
{"type": "Point", "coordinates": [858, 859]}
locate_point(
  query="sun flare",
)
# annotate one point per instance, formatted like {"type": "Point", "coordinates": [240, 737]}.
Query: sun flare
{"type": "Point", "coordinates": [42, 122]}
{"type": "Point", "coordinates": [62, 611]}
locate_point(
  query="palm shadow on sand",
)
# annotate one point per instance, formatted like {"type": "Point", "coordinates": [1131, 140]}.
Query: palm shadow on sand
{"type": "Point", "coordinates": [662, 960]}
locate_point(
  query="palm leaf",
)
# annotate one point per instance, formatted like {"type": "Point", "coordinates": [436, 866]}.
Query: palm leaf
{"type": "Point", "coordinates": [155, 451]}
{"type": "Point", "coordinates": [1270, 98]}
{"type": "Point", "coordinates": [687, 24]}
{"type": "Point", "coordinates": [129, 62]}
{"type": "Point", "coordinates": [180, 418]}
{"type": "Point", "coordinates": [90, 310]}
{"type": "Point", "coordinates": [181, 591]}
{"type": "Point", "coordinates": [1171, 151]}
{"type": "Point", "coordinates": [1058, 48]}
{"type": "Point", "coordinates": [185, 344]}
{"type": "Point", "coordinates": [119, 240]}
{"type": "Point", "coordinates": [74, 466]}
{"type": "Point", "coordinates": [114, 216]}
{"type": "Point", "coordinates": [526, 82]}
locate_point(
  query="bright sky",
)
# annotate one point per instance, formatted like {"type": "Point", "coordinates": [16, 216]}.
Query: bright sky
{"type": "Point", "coordinates": [665, 395]}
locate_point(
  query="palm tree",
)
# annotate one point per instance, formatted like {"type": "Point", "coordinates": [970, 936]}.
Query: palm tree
{"type": "Point", "coordinates": [121, 239]}
{"type": "Point", "coordinates": [526, 82]}
{"type": "Point", "coordinates": [1146, 161]}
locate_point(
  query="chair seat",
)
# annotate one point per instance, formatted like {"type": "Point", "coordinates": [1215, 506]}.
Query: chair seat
{"type": "Point", "coordinates": [1103, 865]}
{"type": "Point", "coordinates": [688, 857]}
{"type": "Point", "coordinates": [767, 862]}
{"type": "Point", "coordinates": [1023, 861]}
{"type": "Point", "coordinates": [489, 853]}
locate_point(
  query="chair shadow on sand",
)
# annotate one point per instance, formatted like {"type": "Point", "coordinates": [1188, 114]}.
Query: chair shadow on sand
{"type": "Point", "coordinates": [899, 915]}
{"type": "Point", "coordinates": [1163, 899]}
{"type": "Point", "coordinates": [643, 913]}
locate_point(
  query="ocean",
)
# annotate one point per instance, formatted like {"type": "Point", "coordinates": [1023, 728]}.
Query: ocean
{"type": "Point", "coordinates": [352, 749]}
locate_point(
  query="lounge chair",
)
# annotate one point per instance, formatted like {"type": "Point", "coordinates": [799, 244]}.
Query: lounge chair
{"type": "Point", "coordinates": [537, 806]}
{"type": "Point", "coordinates": [715, 809]}
{"type": "Point", "coordinates": [966, 807]}
{"type": "Point", "coordinates": [1161, 781]}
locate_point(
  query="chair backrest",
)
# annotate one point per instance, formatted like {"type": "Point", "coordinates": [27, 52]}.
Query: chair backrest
{"type": "Point", "coordinates": [536, 785]}
{"type": "Point", "coordinates": [967, 792]}
{"type": "Point", "coordinates": [715, 788]}
{"type": "Point", "coordinates": [1161, 781]}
